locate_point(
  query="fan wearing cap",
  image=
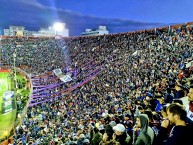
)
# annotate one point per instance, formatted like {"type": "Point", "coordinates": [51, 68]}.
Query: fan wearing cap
{"type": "Point", "coordinates": [120, 134]}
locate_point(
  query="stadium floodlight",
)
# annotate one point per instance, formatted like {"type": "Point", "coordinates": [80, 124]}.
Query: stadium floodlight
{"type": "Point", "coordinates": [58, 27]}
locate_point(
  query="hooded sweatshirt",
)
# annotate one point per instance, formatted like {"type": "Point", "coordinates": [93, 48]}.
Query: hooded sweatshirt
{"type": "Point", "coordinates": [146, 135]}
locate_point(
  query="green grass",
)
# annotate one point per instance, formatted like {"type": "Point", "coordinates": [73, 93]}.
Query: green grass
{"type": "Point", "coordinates": [6, 120]}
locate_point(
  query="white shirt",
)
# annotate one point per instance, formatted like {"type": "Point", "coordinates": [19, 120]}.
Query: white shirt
{"type": "Point", "coordinates": [189, 113]}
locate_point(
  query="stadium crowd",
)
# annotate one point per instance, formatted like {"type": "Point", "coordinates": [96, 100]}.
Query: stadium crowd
{"type": "Point", "coordinates": [135, 99]}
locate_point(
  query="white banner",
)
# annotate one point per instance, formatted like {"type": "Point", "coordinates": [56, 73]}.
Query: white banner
{"type": "Point", "coordinates": [135, 53]}
{"type": "Point", "coordinates": [189, 64]}
{"type": "Point", "coordinates": [8, 95]}
{"type": "Point", "coordinates": [7, 103]}
{"type": "Point", "coordinates": [66, 78]}
{"type": "Point", "coordinates": [57, 72]}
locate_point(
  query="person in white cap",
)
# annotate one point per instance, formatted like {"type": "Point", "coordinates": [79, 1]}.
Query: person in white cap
{"type": "Point", "coordinates": [120, 134]}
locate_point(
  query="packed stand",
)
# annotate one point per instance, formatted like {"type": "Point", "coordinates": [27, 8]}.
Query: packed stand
{"type": "Point", "coordinates": [129, 102]}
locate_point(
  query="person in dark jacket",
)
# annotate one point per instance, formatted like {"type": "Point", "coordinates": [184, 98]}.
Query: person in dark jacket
{"type": "Point", "coordinates": [97, 137]}
{"type": "Point", "coordinates": [180, 133]}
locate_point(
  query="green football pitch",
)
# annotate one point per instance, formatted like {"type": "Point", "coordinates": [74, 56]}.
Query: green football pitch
{"type": "Point", "coordinates": [7, 119]}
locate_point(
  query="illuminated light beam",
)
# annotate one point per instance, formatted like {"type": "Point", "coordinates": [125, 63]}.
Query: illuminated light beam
{"type": "Point", "coordinates": [58, 27]}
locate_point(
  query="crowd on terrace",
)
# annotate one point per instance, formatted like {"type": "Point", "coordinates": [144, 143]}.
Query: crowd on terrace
{"type": "Point", "coordinates": [141, 73]}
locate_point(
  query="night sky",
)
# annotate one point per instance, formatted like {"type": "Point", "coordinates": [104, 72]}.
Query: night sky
{"type": "Point", "coordinates": [117, 15]}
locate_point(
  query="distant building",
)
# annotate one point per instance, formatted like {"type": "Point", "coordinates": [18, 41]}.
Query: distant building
{"type": "Point", "coordinates": [43, 32]}
{"type": "Point", "coordinates": [100, 31]}
{"type": "Point", "coordinates": [15, 31]}
{"type": "Point", "coordinates": [50, 31]}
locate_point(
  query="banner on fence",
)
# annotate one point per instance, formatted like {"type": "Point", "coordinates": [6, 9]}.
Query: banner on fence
{"type": "Point", "coordinates": [57, 72]}
{"type": "Point", "coordinates": [66, 78]}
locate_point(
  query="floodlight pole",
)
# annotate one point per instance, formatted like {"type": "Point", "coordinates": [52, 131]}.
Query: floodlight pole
{"type": "Point", "coordinates": [15, 78]}
{"type": "Point", "coordinates": [55, 32]}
